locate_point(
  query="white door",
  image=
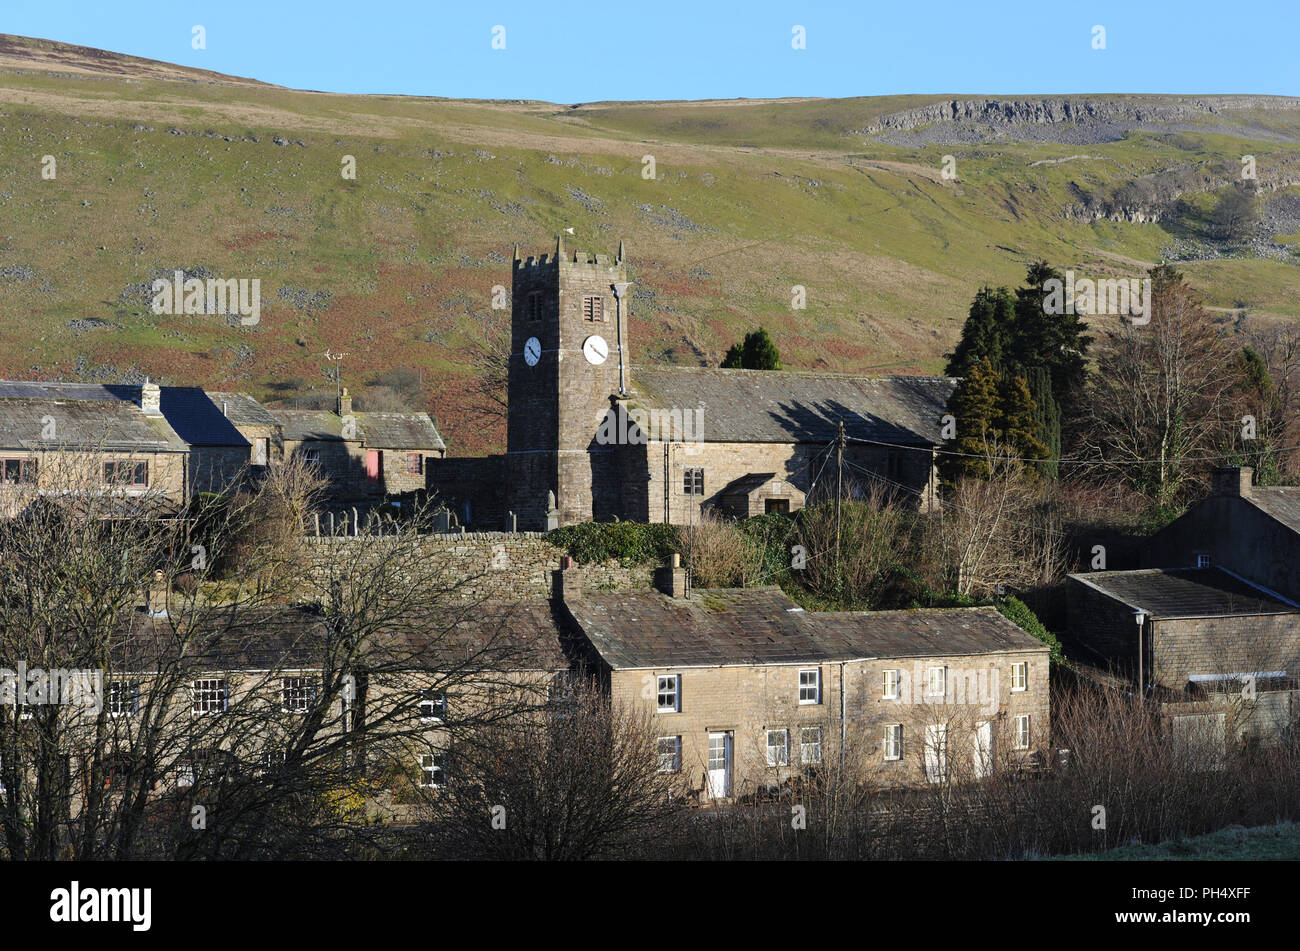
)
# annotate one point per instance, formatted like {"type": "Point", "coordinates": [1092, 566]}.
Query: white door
{"type": "Point", "coordinates": [936, 752]}
{"type": "Point", "coordinates": [983, 760]}
{"type": "Point", "coordinates": [719, 765]}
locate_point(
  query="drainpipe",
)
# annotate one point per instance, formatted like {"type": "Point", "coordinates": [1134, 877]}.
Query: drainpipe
{"type": "Point", "coordinates": [844, 725]}
{"type": "Point", "coordinates": [1140, 616]}
{"type": "Point", "coordinates": [620, 289]}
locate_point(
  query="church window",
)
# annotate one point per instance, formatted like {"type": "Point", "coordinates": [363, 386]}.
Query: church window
{"type": "Point", "coordinates": [593, 308]}
{"type": "Point", "coordinates": [693, 481]}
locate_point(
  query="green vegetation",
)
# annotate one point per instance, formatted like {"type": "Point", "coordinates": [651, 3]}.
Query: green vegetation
{"type": "Point", "coordinates": [756, 352]}
{"type": "Point", "coordinates": [631, 543]}
{"type": "Point", "coordinates": [1272, 843]}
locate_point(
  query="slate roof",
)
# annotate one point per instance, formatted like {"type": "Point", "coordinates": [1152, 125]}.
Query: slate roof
{"type": "Point", "coordinates": [1281, 502]}
{"type": "Point", "coordinates": [1186, 592]}
{"type": "Point", "coordinates": [504, 636]}
{"type": "Point", "coordinates": [377, 430]}
{"type": "Point", "coordinates": [780, 406]}
{"type": "Point", "coordinates": [84, 422]}
{"type": "Point", "coordinates": [196, 419]}
{"type": "Point", "coordinates": [751, 626]}
{"type": "Point", "coordinates": [242, 409]}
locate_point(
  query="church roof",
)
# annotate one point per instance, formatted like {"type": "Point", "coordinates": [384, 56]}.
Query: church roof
{"type": "Point", "coordinates": [376, 430]}
{"type": "Point", "coordinates": [791, 406]}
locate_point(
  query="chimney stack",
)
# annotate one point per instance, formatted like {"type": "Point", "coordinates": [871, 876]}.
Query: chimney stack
{"type": "Point", "coordinates": [1233, 480]}
{"type": "Point", "coordinates": [671, 578]}
{"type": "Point", "coordinates": [344, 407]}
{"type": "Point", "coordinates": [151, 398]}
{"type": "Point", "coordinates": [568, 580]}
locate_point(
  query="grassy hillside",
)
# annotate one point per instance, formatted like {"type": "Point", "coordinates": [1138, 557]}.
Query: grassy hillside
{"type": "Point", "coordinates": [158, 171]}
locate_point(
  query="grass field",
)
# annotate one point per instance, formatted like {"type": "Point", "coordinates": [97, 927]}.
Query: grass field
{"type": "Point", "coordinates": [1276, 843]}
{"type": "Point", "coordinates": [396, 267]}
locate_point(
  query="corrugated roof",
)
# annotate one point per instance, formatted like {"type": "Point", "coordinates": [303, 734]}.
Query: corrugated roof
{"type": "Point", "coordinates": [242, 409]}
{"type": "Point", "coordinates": [750, 626]}
{"type": "Point", "coordinates": [377, 430]}
{"type": "Point", "coordinates": [1186, 592]}
{"type": "Point", "coordinates": [779, 406]}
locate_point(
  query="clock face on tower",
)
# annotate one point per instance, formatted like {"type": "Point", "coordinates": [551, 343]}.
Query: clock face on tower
{"type": "Point", "coordinates": [532, 351]}
{"type": "Point", "coordinates": [595, 349]}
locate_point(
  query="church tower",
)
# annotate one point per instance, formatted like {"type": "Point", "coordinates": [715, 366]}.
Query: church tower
{"type": "Point", "coordinates": [568, 362]}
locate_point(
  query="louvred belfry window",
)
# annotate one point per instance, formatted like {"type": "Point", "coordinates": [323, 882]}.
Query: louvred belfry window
{"type": "Point", "coordinates": [593, 308]}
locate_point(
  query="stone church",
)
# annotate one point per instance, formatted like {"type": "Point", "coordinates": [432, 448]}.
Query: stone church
{"type": "Point", "coordinates": [593, 436]}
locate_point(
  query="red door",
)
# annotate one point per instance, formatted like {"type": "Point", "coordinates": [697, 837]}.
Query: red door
{"type": "Point", "coordinates": [374, 464]}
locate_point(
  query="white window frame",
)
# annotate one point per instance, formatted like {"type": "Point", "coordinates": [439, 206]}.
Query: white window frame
{"type": "Point", "coordinates": [1020, 676]}
{"type": "Point", "coordinates": [186, 774]}
{"type": "Point", "coordinates": [778, 754]}
{"type": "Point", "coordinates": [893, 742]}
{"type": "Point", "coordinates": [202, 696]}
{"type": "Point", "coordinates": [806, 749]}
{"type": "Point", "coordinates": [674, 763]}
{"type": "Point", "coordinates": [1203, 560]}
{"type": "Point", "coordinates": [430, 771]}
{"type": "Point", "coordinates": [133, 697]}
{"type": "Point", "coordinates": [816, 685]}
{"type": "Point", "coordinates": [889, 688]}
{"type": "Point", "coordinates": [930, 692]}
{"type": "Point", "coordinates": [668, 685]}
{"type": "Point", "coordinates": [435, 700]}
{"type": "Point", "coordinates": [296, 703]}
{"type": "Point", "coordinates": [1022, 727]}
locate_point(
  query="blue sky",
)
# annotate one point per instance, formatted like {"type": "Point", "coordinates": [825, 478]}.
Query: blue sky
{"type": "Point", "coordinates": [585, 50]}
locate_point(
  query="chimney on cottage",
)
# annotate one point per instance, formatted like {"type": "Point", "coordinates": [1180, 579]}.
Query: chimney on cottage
{"type": "Point", "coordinates": [1233, 480]}
{"type": "Point", "coordinates": [568, 580]}
{"type": "Point", "coordinates": [151, 398]}
{"type": "Point", "coordinates": [344, 403]}
{"type": "Point", "coordinates": [671, 578]}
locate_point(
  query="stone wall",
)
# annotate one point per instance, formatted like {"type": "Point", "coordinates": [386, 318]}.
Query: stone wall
{"type": "Point", "coordinates": [508, 566]}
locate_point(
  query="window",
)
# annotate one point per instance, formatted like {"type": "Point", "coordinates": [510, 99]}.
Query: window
{"type": "Point", "coordinates": [810, 745]}
{"type": "Point", "coordinates": [533, 307]}
{"type": "Point", "coordinates": [270, 761]}
{"type": "Point", "coordinates": [310, 456]}
{"type": "Point", "coordinates": [208, 696]}
{"type": "Point", "coordinates": [122, 472]}
{"type": "Point", "coordinates": [693, 482]}
{"type": "Point", "coordinates": [891, 685]}
{"type": "Point", "coordinates": [893, 741]}
{"type": "Point", "coordinates": [778, 747]}
{"type": "Point", "coordinates": [810, 685]}
{"type": "Point", "coordinates": [123, 698]}
{"type": "Point", "coordinates": [1202, 561]}
{"type": "Point", "coordinates": [261, 450]}
{"type": "Point", "coordinates": [19, 470]}
{"type": "Point", "coordinates": [433, 769]}
{"type": "Point", "coordinates": [936, 682]}
{"type": "Point", "coordinates": [296, 694]}
{"type": "Point", "coordinates": [669, 690]}
{"type": "Point", "coordinates": [670, 754]}
{"type": "Point", "coordinates": [593, 308]}
{"type": "Point", "coordinates": [433, 706]}
{"type": "Point", "coordinates": [184, 775]}
{"type": "Point", "coordinates": [414, 463]}
{"type": "Point", "coordinates": [1022, 731]}
{"type": "Point", "coordinates": [1019, 677]}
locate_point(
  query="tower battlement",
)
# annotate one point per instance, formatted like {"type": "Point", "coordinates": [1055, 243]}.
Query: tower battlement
{"type": "Point", "coordinates": [566, 259]}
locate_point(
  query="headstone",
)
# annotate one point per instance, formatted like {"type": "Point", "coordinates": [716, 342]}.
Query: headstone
{"type": "Point", "coordinates": [552, 512]}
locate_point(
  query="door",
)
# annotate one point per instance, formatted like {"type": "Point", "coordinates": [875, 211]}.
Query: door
{"type": "Point", "coordinates": [719, 765]}
{"type": "Point", "coordinates": [374, 464]}
{"type": "Point", "coordinates": [983, 761]}
{"type": "Point", "coordinates": [260, 447]}
{"type": "Point", "coordinates": [936, 752]}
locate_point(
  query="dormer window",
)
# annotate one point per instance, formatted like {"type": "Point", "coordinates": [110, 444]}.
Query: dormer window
{"type": "Point", "coordinates": [593, 308]}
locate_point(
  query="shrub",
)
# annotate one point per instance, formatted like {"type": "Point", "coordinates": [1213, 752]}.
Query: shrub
{"type": "Point", "coordinates": [631, 543]}
{"type": "Point", "coordinates": [1019, 614]}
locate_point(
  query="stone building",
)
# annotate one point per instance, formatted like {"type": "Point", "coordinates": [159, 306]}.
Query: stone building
{"type": "Point", "coordinates": [607, 438]}
{"type": "Point", "coordinates": [748, 691]}
{"type": "Point", "coordinates": [366, 456]}
{"type": "Point", "coordinates": [1252, 530]}
{"type": "Point", "coordinates": [164, 442]}
{"type": "Point", "coordinates": [1202, 642]}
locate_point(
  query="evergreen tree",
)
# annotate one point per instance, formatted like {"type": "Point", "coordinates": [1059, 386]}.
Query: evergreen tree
{"type": "Point", "coordinates": [1056, 342]}
{"type": "Point", "coordinates": [984, 335]}
{"type": "Point", "coordinates": [1018, 420]}
{"type": "Point", "coordinates": [974, 407]}
{"type": "Point", "coordinates": [757, 352]}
